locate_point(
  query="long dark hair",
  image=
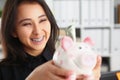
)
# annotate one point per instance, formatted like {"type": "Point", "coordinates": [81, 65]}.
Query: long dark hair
{"type": "Point", "coordinates": [12, 47]}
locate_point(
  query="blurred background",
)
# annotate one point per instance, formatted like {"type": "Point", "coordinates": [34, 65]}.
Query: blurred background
{"type": "Point", "coordinates": [98, 19]}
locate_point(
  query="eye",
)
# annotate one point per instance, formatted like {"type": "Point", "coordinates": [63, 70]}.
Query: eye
{"type": "Point", "coordinates": [80, 47]}
{"type": "Point", "coordinates": [26, 24]}
{"type": "Point", "coordinates": [42, 20]}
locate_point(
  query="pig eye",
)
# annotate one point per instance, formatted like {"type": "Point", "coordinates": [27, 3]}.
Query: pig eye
{"type": "Point", "coordinates": [80, 47]}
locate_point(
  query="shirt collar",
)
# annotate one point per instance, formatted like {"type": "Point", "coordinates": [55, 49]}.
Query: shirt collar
{"type": "Point", "coordinates": [47, 54]}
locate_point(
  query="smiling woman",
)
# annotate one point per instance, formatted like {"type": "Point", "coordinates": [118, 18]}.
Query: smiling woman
{"type": "Point", "coordinates": [33, 31]}
{"type": "Point", "coordinates": [29, 32]}
{"type": "Point", "coordinates": [28, 35]}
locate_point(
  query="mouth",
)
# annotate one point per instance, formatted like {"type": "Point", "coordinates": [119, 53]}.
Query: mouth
{"type": "Point", "coordinates": [40, 39]}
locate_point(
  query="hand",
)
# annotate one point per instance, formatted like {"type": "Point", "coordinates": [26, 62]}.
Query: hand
{"type": "Point", "coordinates": [97, 68]}
{"type": "Point", "coordinates": [48, 71]}
{"type": "Point", "coordinates": [96, 71]}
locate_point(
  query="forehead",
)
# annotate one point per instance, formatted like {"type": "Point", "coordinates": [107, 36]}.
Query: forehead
{"type": "Point", "coordinates": [29, 9]}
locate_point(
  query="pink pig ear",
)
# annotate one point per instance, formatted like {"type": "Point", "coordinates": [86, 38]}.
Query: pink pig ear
{"type": "Point", "coordinates": [88, 41]}
{"type": "Point", "coordinates": [66, 42]}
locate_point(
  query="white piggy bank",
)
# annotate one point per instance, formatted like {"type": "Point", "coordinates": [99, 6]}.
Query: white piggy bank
{"type": "Point", "coordinates": [78, 58]}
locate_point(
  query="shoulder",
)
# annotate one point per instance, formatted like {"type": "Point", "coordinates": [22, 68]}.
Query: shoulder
{"type": "Point", "coordinates": [6, 66]}
{"type": "Point", "coordinates": [11, 72]}
{"type": "Point", "coordinates": [5, 71]}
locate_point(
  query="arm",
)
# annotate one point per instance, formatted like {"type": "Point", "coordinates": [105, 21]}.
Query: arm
{"type": "Point", "coordinates": [48, 71]}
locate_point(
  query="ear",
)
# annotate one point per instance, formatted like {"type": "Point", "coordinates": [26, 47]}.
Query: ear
{"type": "Point", "coordinates": [88, 41]}
{"type": "Point", "coordinates": [66, 43]}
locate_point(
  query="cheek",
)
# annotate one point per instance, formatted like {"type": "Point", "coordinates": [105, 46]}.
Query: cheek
{"type": "Point", "coordinates": [23, 33]}
{"type": "Point", "coordinates": [24, 36]}
{"type": "Point", "coordinates": [47, 28]}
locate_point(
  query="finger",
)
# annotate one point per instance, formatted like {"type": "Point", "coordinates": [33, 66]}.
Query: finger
{"type": "Point", "coordinates": [97, 68]}
{"type": "Point", "coordinates": [91, 77]}
{"type": "Point", "coordinates": [60, 71]}
{"type": "Point", "coordinates": [99, 62]}
{"type": "Point", "coordinates": [55, 77]}
{"type": "Point", "coordinates": [80, 77]}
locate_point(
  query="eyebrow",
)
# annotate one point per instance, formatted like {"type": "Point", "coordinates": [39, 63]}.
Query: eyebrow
{"type": "Point", "coordinates": [42, 16]}
{"type": "Point", "coordinates": [30, 19]}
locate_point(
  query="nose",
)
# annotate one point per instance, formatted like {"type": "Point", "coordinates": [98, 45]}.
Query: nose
{"type": "Point", "coordinates": [36, 29]}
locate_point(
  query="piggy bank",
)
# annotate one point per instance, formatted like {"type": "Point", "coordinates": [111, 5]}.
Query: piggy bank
{"type": "Point", "coordinates": [79, 58]}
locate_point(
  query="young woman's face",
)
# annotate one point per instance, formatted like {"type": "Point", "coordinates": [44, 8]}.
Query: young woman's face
{"type": "Point", "coordinates": [32, 28]}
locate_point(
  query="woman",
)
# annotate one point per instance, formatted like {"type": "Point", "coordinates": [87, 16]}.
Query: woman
{"type": "Point", "coordinates": [29, 32]}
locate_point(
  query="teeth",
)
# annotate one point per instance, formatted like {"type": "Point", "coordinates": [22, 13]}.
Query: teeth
{"type": "Point", "coordinates": [38, 39]}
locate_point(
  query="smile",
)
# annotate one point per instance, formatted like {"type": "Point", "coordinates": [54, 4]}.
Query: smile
{"type": "Point", "coordinates": [38, 39]}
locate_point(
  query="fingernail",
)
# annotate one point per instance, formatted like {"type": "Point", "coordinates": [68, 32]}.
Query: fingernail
{"type": "Point", "coordinates": [99, 57]}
